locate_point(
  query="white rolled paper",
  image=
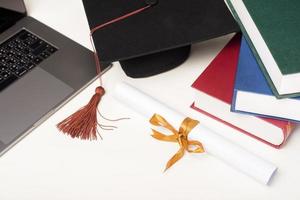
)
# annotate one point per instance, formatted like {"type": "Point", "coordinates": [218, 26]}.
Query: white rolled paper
{"type": "Point", "coordinates": [214, 144]}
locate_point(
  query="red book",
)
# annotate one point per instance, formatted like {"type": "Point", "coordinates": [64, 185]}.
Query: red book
{"type": "Point", "coordinates": [214, 90]}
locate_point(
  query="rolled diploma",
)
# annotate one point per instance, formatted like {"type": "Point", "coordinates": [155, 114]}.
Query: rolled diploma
{"type": "Point", "coordinates": [213, 143]}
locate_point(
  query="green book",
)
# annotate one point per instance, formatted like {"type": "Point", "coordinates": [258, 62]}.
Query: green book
{"type": "Point", "coordinates": [272, 29]}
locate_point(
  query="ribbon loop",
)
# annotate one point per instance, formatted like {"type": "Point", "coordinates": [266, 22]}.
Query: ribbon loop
{"type": "Point", "coordinates": [181, 137]}
{"type": "Point", "coordinates": [167, 138]}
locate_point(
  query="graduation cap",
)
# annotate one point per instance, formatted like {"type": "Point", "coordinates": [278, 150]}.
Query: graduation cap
{"type": "Point", "coordinates": [147, 37]}
{"type": "Point", "coordinates": [159, 38]}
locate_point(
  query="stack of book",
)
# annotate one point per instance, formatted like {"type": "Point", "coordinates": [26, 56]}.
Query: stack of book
{"type": "Point", "coordinates": [253, 84]}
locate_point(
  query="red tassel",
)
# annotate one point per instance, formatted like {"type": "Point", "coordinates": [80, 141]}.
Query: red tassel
{"type": "Point", "coordinates": [83, 123]}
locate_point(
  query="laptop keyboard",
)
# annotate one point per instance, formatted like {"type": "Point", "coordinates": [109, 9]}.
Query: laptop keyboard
{"type": "Point", "coordinates": [21, 53]}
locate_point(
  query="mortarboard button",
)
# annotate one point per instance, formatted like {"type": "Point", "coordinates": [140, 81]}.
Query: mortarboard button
{"type": "Point", "coordinates": [151, 2]}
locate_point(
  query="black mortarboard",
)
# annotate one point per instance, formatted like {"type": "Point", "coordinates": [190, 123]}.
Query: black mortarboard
{"type": "Point", "coordinates": [147, 37]}
{"type": "Point", "coordinates": [158, 38]}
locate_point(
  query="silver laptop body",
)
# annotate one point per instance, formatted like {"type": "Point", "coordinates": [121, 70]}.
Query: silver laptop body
{"type": "Point", "coordinates": [29, 100]}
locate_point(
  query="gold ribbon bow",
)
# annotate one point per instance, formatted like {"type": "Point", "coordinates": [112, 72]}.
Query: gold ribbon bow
{"type": "Point", "coordinates": [180, 137]}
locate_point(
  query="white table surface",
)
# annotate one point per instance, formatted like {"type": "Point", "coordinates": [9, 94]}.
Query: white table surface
{"type": "Point", "coordinates": [128, 163]}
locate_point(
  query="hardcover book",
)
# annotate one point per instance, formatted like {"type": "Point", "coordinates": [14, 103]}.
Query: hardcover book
{"type": "Point", "coordinates": [213, 97]}
{"type": "Point", "coordinates": [253, 95]}
{"type": "Point", "coordinates": [272, 29]}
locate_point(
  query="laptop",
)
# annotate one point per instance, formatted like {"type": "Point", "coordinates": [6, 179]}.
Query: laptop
{"type": "Point", "coordinates": [40, 70]}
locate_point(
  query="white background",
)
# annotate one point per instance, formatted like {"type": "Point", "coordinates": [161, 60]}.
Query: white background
{"type": "Point", "coordinates": [128, 163]}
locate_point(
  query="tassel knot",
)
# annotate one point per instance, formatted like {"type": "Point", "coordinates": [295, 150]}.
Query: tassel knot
{"type": "Point", "coordinates": [83, 123]}
{"type": "Point", "coordinates": [100, 90]}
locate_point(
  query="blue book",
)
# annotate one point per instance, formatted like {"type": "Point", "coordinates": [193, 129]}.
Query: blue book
{"type": "Point", "coordinates": [252, 94]}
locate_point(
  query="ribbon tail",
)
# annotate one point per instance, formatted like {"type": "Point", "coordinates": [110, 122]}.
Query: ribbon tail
{"type": "Point", "coordinates": [175, 158]}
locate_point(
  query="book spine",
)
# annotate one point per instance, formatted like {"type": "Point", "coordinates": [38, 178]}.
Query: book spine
{"type": "Point", "coordinates": [287, 130]}
{"type": "Point", "coordinates": [233, 103]}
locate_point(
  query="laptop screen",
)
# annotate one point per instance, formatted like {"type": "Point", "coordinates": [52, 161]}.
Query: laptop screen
{"type": "Point", "coordinates": [10, 12]}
